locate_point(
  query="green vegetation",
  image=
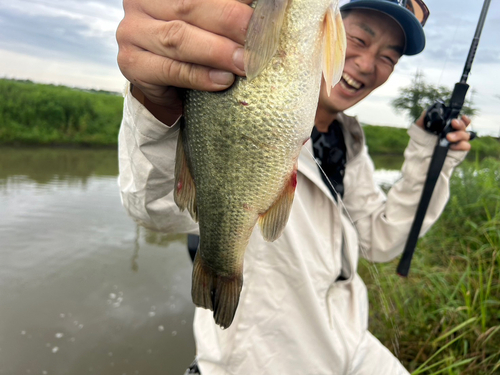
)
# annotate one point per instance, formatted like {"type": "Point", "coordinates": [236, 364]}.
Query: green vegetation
{"type": "Point", "coordinates": [57, 115]}
{"type": "Point", "coordinates": [387, 140]}
{"type": "Point", "coordinates": [36, 114]}
{"type": "Point", "coordinates": [445, 318]}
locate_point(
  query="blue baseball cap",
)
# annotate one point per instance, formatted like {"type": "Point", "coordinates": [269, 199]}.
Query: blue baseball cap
{"type": "Point", "coordinates": [412, 27]}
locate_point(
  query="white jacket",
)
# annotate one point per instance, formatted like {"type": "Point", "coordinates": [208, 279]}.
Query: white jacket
{"type": "Point", "coordinates": [303, 309]}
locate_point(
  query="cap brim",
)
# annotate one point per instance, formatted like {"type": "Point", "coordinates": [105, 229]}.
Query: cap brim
{"type": "Point", "coordinates": [414, 33]}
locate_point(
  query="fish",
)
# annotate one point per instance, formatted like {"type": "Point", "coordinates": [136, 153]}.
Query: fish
{"type": "Point", "coordinates": [237, 150]}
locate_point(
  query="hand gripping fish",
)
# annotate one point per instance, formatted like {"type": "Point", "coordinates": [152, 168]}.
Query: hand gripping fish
{"type": "Point", "coordinates": [237, 151]}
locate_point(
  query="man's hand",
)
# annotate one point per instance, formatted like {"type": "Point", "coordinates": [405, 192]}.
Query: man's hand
{"type": "Point", "coordinates": [194, 44]}
{"type": "Point", "coordinates": [460, 137]}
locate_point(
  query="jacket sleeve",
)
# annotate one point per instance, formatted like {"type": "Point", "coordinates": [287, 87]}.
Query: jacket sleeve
{"type": "Point", "coordinates": [383, 222]}
{"type": "Point", "coordinates": [146, 153]}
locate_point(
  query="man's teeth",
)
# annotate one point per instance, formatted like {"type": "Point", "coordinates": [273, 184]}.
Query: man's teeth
{"type": "Point", "coordinates": [357, 85]}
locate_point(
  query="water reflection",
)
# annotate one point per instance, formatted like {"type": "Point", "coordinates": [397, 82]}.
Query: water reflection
{"type": "Point", "coordinates": [46, 165]}
{"type": "Point", "coordinates": [135, 256]}
{"type": "Point", "coordinates": [84, 290]}
{"type": "Point", "coordinates": [387, 170]}
{"type": "Point", "coordinates": [388, 162]}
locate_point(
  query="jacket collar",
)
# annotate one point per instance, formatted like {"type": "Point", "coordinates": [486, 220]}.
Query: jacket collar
{"type": "Point", "coordinates": [353, 134]}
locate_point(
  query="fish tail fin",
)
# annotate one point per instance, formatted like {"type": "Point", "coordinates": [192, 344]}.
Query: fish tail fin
{"type": "Point", "coordinates": [334, 47]}
{"type": "Point", "coordinates": [273, 221]}
{"type": "Point", "coordinates": [226, 299]}
{"type": "Point", "coordinates": [221, 294]}
{"type": "Point", "coordinates": [184, 190]}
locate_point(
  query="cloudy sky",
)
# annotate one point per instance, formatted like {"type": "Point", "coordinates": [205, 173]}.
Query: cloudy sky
{"type": "Point", "coordinates": [72, 42]}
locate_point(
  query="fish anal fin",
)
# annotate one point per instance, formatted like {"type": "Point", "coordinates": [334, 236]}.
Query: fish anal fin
{"type": "Point", "coordinates": [221, 294]}
{"type": "Point", "coordinates": [273, 221]}
{"type": "Point", "coordinates": [184, 189]}
{"type": "Point", "coordinates": [203, 283]}
{"type": "Point", "coordinates": [334, 47]}
{"type": "Point", "coordinates": [263, 35]}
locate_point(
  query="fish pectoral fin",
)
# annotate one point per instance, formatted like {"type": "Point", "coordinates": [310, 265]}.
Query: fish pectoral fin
{"type": "Point", "coordinates": [273, 221]}
{"type": "Point", "coordinates": [221, 294]}
{"type": "Point", "coordinates": [334, 47]}
{"type": "Point", "coordinates": [263, 35]}
{"type": "Point", "coordinates": [184, 189]}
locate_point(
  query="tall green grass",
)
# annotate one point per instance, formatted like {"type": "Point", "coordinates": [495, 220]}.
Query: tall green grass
{"type": "Point", "coordinates": [387, 140]}
{"type": "Point", "coordinates": [37, 114]}
{"type": "Point", "coordinates": [445, 318]}
{"type": "Point", "coordinates": [48, 115]}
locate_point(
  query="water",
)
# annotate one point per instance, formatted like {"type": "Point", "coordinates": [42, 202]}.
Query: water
{"type": "Point", "coordinates": [387, 169]}
{"type": "Point", "coordinates": [83, 289]}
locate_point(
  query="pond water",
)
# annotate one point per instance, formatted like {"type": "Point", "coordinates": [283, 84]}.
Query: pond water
{"type": "Point", "coordinates": [83, 289]}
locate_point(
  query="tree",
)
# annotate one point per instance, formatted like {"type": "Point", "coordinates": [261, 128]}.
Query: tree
{"type": "Point", "coordinates": [421, 95]}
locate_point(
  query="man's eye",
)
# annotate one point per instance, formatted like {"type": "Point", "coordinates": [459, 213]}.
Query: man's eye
{"type": "Point", "coordinates": [360, 41]}
{"type": "Point", "coordinates": [357, 40]}
{"type": "Point", "coordinates": [389, 60]}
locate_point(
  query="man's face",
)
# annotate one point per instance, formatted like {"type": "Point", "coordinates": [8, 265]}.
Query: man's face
{"type": "Point", "coordinates": [375, 43]}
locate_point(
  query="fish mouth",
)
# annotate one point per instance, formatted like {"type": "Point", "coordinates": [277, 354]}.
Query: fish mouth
{"type": "Point", "coordinates": [350, 84]}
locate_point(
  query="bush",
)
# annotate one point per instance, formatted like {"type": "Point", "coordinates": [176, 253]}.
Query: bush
{"type": "Point", "coordinates": [46, 114]}
{"type": "Point", "coordinates": [389, 140]}
{"type": "Point", "coordinates": [385, 140]}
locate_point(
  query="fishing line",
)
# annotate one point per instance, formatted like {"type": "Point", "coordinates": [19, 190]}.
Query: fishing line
{"type": "Point", "coordinates": [448, 55]}
{"type": "Point", "coordinates": [375, 275]}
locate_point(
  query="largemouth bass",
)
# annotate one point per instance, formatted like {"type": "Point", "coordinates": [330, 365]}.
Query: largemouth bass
{"type": "Point", "coordinates": [237, 151]}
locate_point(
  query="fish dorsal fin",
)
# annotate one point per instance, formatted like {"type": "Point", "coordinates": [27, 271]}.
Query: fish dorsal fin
{"type": "Point", "coordinates": [184, 189]}
{"type": "Point", "coordinates": [273, 221]}
{"type": "Point", "coordinates": [334, 46]}
{"type": "Point", "coordinates": [263, 35]}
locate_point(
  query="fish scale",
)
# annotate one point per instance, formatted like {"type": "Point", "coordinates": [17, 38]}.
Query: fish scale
{"type": "Point", "coordinates": [238, 149]}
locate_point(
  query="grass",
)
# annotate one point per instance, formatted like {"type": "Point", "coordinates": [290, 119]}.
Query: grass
{"type": "Point", "coordinates": [387, 140]}
{"type": "Point", "coordinates": [445, 318]}
{"type": "Point", "coordinates": [36, 114]}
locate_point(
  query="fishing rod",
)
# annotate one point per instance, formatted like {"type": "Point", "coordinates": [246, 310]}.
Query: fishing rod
{"type": "Point", "coordinates": [438, 121]}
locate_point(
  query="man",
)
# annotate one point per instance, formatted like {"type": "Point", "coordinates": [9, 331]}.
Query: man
{"type": "Point", "coordinates": [303, 308]}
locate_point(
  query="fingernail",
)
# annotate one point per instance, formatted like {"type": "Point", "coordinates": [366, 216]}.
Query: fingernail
{"type": "Point", "coordinates": [221, 77]}
{"type": "Point", "coordinates": [238, 59]}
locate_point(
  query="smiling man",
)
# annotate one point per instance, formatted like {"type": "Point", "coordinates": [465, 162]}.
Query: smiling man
{"type": "Point", "coordinates": [375, 44]}
{"type": "Point", "coordinates": [303, 307]}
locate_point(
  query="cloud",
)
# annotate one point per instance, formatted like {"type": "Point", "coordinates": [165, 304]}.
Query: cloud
{"type": "Point", "coordinates": [450, 31]}
{"type": "Point", "coordinates": [81, 31]}
{"type": "Point", "coordinates": [72, 42]}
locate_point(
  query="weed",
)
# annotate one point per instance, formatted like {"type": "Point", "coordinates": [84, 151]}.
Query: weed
{"type": "Point", "coordinates": [447, 313]}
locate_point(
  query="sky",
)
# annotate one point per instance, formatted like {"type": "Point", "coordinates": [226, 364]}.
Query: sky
{"type": "Point", "coordinates": [72, 43]}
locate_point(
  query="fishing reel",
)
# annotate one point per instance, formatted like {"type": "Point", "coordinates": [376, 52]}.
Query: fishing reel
{"type": "Point", "coordinates": [436, 117]}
